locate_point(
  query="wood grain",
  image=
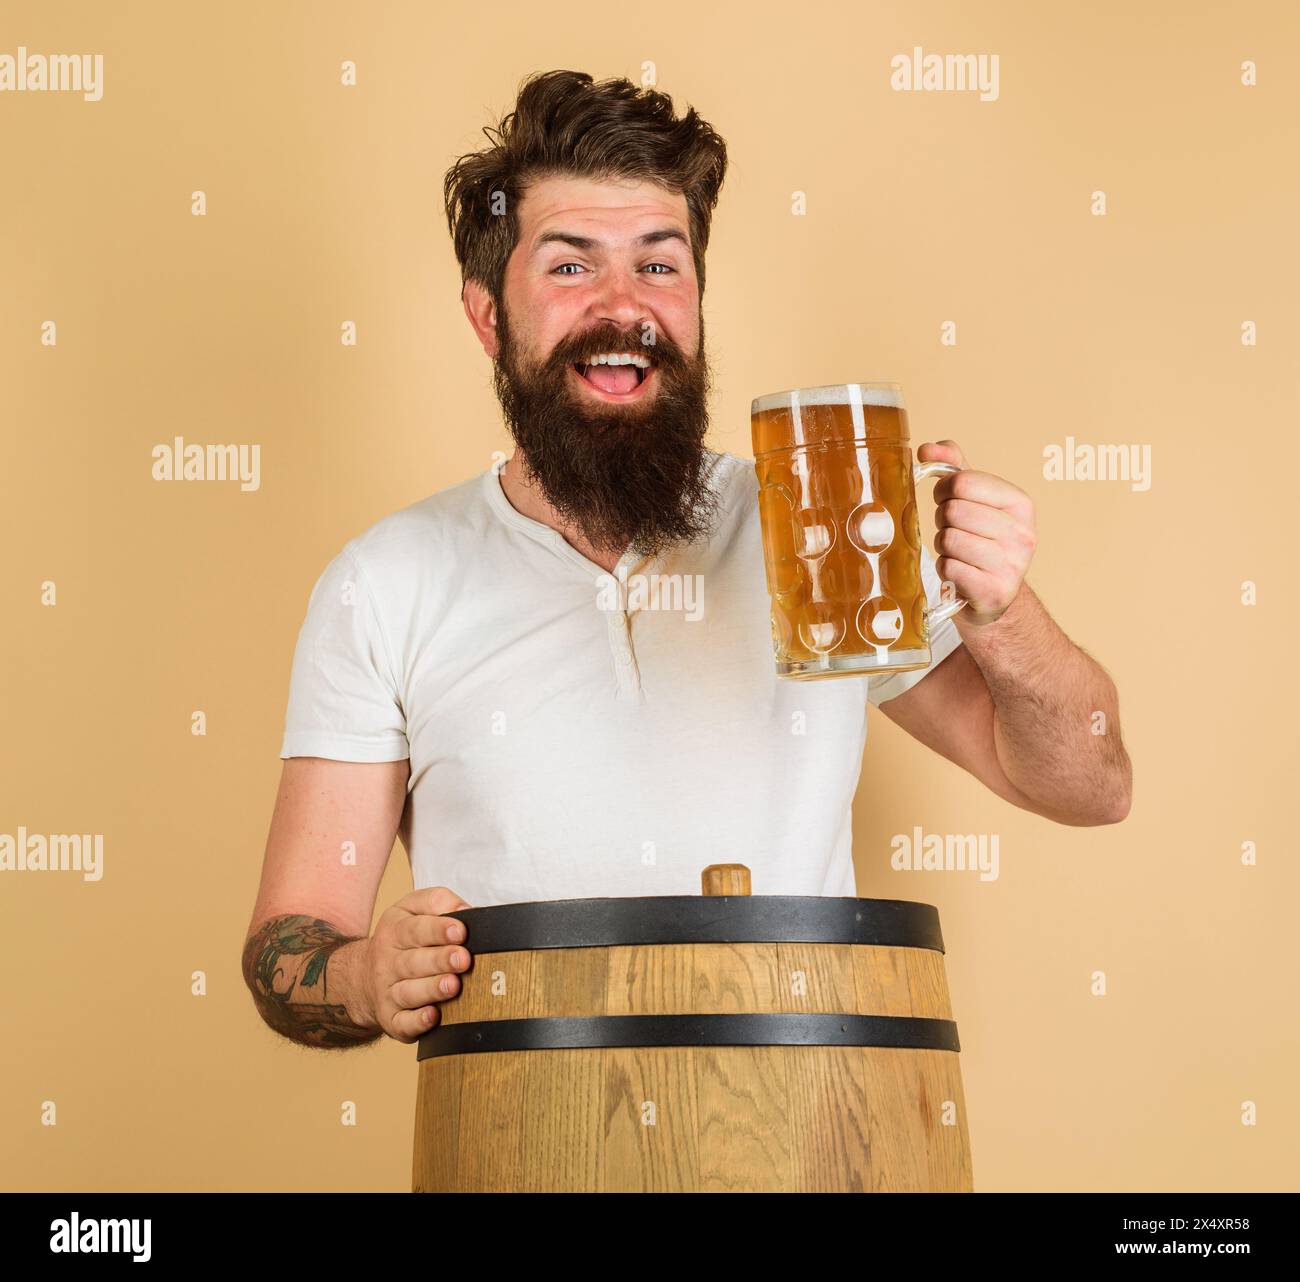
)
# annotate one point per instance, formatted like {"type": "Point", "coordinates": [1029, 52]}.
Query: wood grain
{"type": "Point", "coordinates": [720, 1118]}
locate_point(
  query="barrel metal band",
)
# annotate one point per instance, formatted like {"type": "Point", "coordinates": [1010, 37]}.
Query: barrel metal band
{"type": "Point", "coordinates": [578, 1032]}
{"type": "Point", "coordinates": [700, 919]}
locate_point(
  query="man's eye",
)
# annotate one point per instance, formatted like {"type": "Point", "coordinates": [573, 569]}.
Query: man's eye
{"type": "Point", "coordinates": [658, 269]}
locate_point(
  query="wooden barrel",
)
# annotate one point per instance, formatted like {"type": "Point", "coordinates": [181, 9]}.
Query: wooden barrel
{"type": "Point", "coordinates": [722, 1042]}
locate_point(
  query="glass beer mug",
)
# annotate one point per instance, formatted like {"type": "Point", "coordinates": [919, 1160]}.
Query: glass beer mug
{"type": "Point", "coordinates": [841, 539]}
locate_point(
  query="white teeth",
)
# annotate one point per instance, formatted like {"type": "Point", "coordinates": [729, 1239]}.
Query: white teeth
{"type": "Point", "coordinates": [620, 358]}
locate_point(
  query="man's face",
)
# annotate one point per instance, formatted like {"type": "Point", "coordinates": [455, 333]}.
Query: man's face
{"type": "Point", "coordinates": [603, 269]}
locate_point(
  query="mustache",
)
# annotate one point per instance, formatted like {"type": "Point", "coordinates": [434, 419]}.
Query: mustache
{"type": "Point", "coordinates": [662, 352]}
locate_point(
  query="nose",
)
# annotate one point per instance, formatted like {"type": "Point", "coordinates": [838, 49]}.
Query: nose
{"type": "Point", "coordinates": [618, 303]}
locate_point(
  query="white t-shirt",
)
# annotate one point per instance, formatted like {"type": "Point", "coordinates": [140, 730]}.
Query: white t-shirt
{"type": "Point", "coordinates": [562, 746]}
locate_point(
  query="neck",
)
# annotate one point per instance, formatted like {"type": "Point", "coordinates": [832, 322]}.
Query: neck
{"type": "Point", "coordinates": [526, 498]}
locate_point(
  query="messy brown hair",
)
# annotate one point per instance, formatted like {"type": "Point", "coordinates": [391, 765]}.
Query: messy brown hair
{"type": "Point", "coordinates": [564, 123]}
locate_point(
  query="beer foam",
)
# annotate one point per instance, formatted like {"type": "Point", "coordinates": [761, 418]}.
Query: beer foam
{"type": "Point", "coordinates": [883, 394]}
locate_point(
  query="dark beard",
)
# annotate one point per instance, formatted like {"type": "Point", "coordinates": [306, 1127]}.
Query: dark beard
{"type": "Point", "coordinates": [633, 475]}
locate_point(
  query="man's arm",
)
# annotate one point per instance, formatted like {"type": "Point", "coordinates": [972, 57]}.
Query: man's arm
{"type": "Point", "coordinates": [1016, 706]}
{"type": "Point", "coordinates": [332, 832]}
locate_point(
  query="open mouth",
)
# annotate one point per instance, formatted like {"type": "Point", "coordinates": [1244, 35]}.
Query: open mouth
{"type": "Point", "coordinates": [615, 381]}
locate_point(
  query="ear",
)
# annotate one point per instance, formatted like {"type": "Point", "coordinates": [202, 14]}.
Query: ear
{"type": "Point", "coordinates": [482, 314]}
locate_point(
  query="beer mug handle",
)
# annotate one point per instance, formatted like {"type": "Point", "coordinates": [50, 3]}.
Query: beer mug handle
{"type": "Point", "coordinates": [919, 472]}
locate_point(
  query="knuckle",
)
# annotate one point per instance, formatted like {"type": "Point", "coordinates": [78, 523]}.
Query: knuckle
{"type": "Point", "coordinates": [407, 995]}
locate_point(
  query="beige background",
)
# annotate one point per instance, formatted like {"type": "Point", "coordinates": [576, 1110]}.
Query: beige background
{"type": "Point", "coordinates": [324, 206]}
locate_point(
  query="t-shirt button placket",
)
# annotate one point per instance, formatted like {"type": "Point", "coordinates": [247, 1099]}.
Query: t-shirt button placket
{"type": "Point", "coordinates": [625, 667]}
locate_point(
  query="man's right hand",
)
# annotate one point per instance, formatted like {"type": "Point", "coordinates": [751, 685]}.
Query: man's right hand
{"type": "Point", "coordinates": [413, 961]}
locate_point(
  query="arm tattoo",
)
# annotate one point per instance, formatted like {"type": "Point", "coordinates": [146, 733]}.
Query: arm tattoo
{"type": "Point", "coordinates": [298, 949]}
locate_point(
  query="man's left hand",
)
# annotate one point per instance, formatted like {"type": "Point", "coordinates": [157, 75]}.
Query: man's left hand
{"type": "Point", "coordinates": [986, 534]}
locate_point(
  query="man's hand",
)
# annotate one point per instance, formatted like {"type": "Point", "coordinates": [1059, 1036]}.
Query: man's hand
{"type": "Point", "coordinates": [986, 535]}
{"type": "Point", "coordinates": [412, 962]}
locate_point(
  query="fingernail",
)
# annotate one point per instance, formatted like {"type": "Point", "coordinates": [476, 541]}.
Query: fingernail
{"type": "Point", "coordinates": [446, 986]}
{"type": "Point", "coordinates": [458, 959]}
{"type": "Point", "coordinates": [428, 1017]}
{"type": "Point", "coordinates": [455, 933]}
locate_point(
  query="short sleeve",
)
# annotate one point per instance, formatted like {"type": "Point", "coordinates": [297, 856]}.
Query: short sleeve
{"type": "Point", "coordinates": [944, 639]}
{"type": "Point", "coordinates": [343, 694]}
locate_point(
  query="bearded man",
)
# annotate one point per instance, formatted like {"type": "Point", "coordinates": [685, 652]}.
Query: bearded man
{"type": "Point", "coordinates": [555, 679]}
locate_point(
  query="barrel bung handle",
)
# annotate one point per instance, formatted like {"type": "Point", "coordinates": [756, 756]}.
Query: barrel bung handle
{"type": "Point", "coordinates": [725, 879]}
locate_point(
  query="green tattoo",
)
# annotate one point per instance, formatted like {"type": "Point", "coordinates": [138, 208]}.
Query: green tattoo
{"type": "Point", "coordinates": [290, 1011]}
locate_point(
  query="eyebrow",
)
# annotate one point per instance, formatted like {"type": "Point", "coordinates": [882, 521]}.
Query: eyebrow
{"type": "Point", "coordinates": [588, 242]}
